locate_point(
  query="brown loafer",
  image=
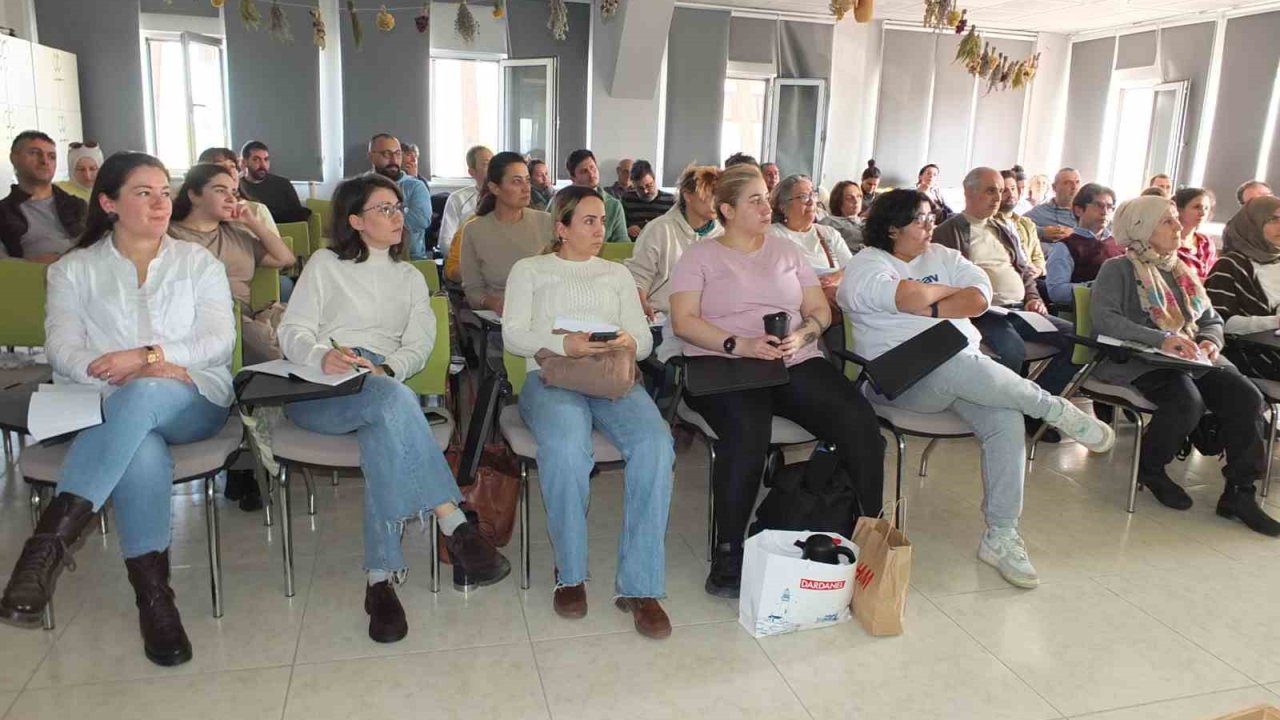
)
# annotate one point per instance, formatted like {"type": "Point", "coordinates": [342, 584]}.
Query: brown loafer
{"type": "Point", "coordinates": [651, 619]}
{"type": "Point", "coordinates": [571, 601]}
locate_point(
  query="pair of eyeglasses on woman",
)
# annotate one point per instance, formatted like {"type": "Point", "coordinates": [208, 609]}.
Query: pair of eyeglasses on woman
{"type": "Point", "coordinates": [925, 219]}
{"type": "Point", "coordinates": [386, 209]}
{"type": "Point", "coordinates": [86, 144]}
{"type": "Point", "coordinates": [805, 197]}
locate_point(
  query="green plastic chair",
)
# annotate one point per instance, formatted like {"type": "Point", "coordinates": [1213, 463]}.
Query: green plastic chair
{"type": "Point", "coordinates": [298, 236]}
{"type": "Point", "coordinates": [430, 272]}
{"type": "Point", "coordinates": [434, 377]}
{"type": "Point", "coordinates": [617, 251]}
{"type": "Point", "coordinates": [321, 217]}
{"type": "Point", "coordinates": [22, 294]}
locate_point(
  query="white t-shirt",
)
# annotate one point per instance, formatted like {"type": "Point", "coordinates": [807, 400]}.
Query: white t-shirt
{"type": "Point", "coordinates": [810, 244]}
{"type": "Point", "coordinates": [871, 283]}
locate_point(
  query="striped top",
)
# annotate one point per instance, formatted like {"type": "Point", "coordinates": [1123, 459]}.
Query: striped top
{"type": "Point", "coordinates": [1238, 295]}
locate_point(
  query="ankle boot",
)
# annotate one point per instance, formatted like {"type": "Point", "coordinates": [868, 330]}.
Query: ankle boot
{"type": "Point", "coordinates": [725, 578]}
{"type": "Point", "coordinates": [1238, 501]}
{"type": "Point", "coordinates": [45, 553]}
{"type": "Point", "coordinates": [163, 638]}
{"type": "Point", "coordinates": [476, 562]}
{"type": "Point", "coordinates": [387, 622]}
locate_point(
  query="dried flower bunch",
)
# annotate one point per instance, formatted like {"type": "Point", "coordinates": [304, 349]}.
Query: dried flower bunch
{"type": "Point", "coordinates": [465, 24]}
{"type": "Point", "coordinates": [977, 55]}
{"type": "Point", "coordinates": [609, 7]}
{"type": "Point", "coordinates": [558, 23]}
{"type": "Point", "coordinates": [317, 28]}
{"type": "Point", "coordinates": [279, 23]}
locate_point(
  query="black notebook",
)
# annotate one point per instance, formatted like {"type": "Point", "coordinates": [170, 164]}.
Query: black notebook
{"type": "Point", "coordinates": [257, 389]}
{"type": "Point", "coordinates": [709, 375]}
{"type": "Point", "coordinates": [895, 371]}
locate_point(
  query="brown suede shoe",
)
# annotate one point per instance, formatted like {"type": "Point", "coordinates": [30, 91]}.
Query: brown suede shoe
{"type": "Point", "coordinates": [651, 619]}
{"type": "Point", "coordinates": [387, 623]}
{"type": "Point", "coordinates": [571, 601]}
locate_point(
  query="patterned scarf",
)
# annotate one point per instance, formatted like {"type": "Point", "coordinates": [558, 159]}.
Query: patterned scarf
{"type": "Point", "coordinates": [1158, 299]}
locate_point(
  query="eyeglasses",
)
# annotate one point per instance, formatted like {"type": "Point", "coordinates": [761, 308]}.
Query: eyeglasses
{"type": "Point", "coordinates": [86, 144]}
{"type": "Point", "coordinates": [805, 197]}
{"type": "Point", "coordinates": [388, 154]}
{"type": "Point", "coordinates": [1104, 207]}
{"type": "Point", "coordinates": [386, 209]}
{"type": "Point", "coordinates": [925, 219]}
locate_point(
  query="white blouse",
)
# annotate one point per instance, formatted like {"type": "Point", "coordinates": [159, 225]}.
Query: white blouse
{"type": "Point", "coordinates": [811, 244]}
{"type": "Point", "coordinates": [95, 306]}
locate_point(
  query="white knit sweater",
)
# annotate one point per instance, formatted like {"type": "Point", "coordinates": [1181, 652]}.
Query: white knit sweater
{"type": "Point", "coordinates": [543, 288]}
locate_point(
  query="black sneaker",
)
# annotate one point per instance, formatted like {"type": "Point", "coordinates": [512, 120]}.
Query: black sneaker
{"type": "Point", "coordinates": [1169, 493]}
{"type": "Point", "coordinates": [476, 562]}
{"type": "Point", "coordinates": [1239, 502]}
{"type": "Point", "coordinates": [725, 579]}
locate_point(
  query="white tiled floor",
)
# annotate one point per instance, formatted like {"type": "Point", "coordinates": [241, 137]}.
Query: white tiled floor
{"type": "Point", "coordinates": [1159, 614]}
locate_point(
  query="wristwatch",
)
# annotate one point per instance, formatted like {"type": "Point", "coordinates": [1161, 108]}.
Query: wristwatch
{"type": "Point", "coordinates": [730, 343]}
{"type": "Point", "coordinates": [153, 355]}
{"type": "Point", "coordinates": [386, 370]}
{"type": "Point", "coordinates": [933, 310]}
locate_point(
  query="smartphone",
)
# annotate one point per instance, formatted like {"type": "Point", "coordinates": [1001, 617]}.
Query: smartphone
{"type": "Point", "coordinates": [603, 336]}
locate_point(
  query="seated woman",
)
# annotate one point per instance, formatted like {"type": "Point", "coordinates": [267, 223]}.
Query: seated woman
{"type": "Point", "coordinates": [1245, 284]}
{"type": "Point", "coordinates": [926, 182]}
{"type": "Point", "coordinates": [721, 289]}
{"type": "Point", "coordinates": [1151, 297]}
{"type": "Point", "coordinates": [207, 213]}
{"type": "Point", "coordinates": [1197, 250]}
{"type": "Point", "coordinates": [794, 205]}
{"type": "Point", "coordinates": [870, 186]}
{"type": "Point", "coordinates": [663, 241]}
{"type": "Point", "coordinates": [356, 304]}
{"type": "Point", "coordinates": [573, 284]}
{"type": "Point", "coordinates": [83, 159]}
{"type": "Point", "coordinates": [899, 287]}
{"type": "Point", "coordinates": [148, 321]}
{"type": "Point", "coordinates": [504, 231]}
{"type": "Point", "coordinates": [845, 215]}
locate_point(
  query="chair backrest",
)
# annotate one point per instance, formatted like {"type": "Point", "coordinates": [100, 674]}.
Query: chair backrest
{"type": "Point", "coordinates": [264, 289]}
{"type": "Point", "coordinates": [237, 355]}
{"type": "Point", "coordinates": [1084, 324]}
{"type": "Point", "coordinates": [431, 272]}
{"type": "Point", "coordinates": [516, 371]}
{"type": "Point", "coordinates": [22, 295]}
{"type": "Point", "coordinates": [851, 370]}
{"type": "Point", "coordinates": [617, 251]}
{"type": "Point", "coordinates": [433, 379]}
{"type": "Point", "coordinates": [321, 217]}
{"type": "Point", "coordinates": [300, 235]}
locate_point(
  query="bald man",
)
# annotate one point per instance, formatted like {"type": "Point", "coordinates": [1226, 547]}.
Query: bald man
{"type": "Point", "coordinates": [1053, 218]}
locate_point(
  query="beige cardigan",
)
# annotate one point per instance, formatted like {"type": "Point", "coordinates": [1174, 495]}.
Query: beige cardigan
{"type": "Point", "coordinates": [658, 249]}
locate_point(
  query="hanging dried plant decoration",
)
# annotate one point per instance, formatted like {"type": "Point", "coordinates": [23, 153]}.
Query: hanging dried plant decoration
{"type": "Point", "coordinates": [317, 28]}
{"type": "Point", "coordinates": [558, 23]}
{"type": "Point", "coordinates": [840, 7]}
{"type": "Point", "coordinates": [249, 14]}
{"type": "Point", "coordinates": [218, 3]}
{"type": "Point", "coordinates": [423, 21]}
{"type": "Point", "coordinates": [499, 9]}
{"type": "Point", "coordinates": [279, 24]}
{"type": "Point", "coordinates": [609, 7]}
{"type": "Point", "coordinates": [465, 24]}
{"type": "Point", "coordinates": [386, 22]}
{"type": "Point", "coordinates": [357, 33]}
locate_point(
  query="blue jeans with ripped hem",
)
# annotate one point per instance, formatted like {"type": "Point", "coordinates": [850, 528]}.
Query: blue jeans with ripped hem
{"type": "Point", "coordinates": [405, 474]}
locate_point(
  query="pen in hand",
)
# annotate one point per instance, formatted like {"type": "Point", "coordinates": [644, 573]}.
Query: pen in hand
{"type": "Point", "coordinates": [343, 352]}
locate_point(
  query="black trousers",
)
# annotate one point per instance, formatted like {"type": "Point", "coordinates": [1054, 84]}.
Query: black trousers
{"type": "Point", "coordinates": [820, 400]}
{"type": "Point", "coordinates": [1181, 400]}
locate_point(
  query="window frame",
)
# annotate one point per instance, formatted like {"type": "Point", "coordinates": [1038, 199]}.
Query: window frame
{"type": "Point", "coordinates": [185, 39]}
{"type": "Point", "coordinates": [767, 141]}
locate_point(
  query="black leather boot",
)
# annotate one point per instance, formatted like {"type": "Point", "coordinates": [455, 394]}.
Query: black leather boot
{"type": "Point", "coordinates": [387, 623]}
{"type": "Point", "coordinates": [725, 579]}
{"type": "Point", "coordinates": [43, 556]}
{"type": "Point", "coordinates": [163, 638]}
{"type": "Point", "coordinates": [1238, 501]}
{"type": "Point", "coordinates": [476, 562]}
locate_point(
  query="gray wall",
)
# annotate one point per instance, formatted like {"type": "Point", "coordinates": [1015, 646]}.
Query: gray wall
{"type": "Point", "coordinates": [1137, 50]}
{"type": "Point", "coordinates": [697, 53]}
{"type": "Point", "coordinates": [952, 112]}
{"type": "Point", "coordinates": [1185, 54]}
{"type": "Point", "coordinates": [385, 86]}
{"type": "Point", "coordinates": [1087, 90]}
{"type": "Point", "coordinates": [1249, 61]}
{"type": "Point", "coordinates": [528, 37]}
{"type": "Point", "coordinates": [274, 90]}
{"type": "Point", "coordinates": [905, 94]}
{"type": "Point", "coordinates": [753, 40]}
{"type": "Point", "coordinates": [199, 8]}
{"type": "Point", "coordinates": [105, 36]}
{"type": "Point", "coordinates": [997, 127]}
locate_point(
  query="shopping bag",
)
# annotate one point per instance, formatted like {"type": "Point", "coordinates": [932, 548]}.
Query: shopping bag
{"type": "Point", "coordinates": [882, 576]}
{"type": "Point", "coordinates": [782, 592]}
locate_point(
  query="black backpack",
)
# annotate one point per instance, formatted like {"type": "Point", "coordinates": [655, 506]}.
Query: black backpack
{"type": "Point", "coordinates": [816, 495]}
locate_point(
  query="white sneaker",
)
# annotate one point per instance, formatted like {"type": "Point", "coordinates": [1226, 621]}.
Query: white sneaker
{"type": "Point", "coordinates": [1084, 428]}
{"type": "Point", "coordinates": [1002, 549]}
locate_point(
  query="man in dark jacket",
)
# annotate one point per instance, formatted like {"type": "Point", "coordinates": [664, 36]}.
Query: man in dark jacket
{"type": "Point", "coordinates": [38, 220]}
{"type": "Point", "coordinates": [260, 185]}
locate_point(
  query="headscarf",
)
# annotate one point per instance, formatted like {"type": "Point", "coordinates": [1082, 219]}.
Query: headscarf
{"type": "Point", "coordinates": [1135, 221]}
{"type": "Point", "coordinates": [1243, 233]}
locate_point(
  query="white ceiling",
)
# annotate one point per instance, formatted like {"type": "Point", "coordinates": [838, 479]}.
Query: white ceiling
{"type": "Point", "coordinates": [1060, 16]}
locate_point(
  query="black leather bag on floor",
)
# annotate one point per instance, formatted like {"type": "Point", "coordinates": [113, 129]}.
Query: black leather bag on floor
{"type": "Point", "coordinates": [817, 495]}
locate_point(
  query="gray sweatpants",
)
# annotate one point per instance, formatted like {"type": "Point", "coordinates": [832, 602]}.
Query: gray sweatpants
{"type": "Point", "coordinates": [992, 399]}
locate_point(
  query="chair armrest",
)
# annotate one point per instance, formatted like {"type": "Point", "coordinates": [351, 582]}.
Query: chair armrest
{"type": "Point", "coordinates": [1117, 353]}
{"type": "Point", "coordinates": [852, 357]}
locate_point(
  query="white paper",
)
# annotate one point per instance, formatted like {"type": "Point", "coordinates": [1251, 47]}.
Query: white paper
{"type": "Point", "coordinates": [284, 369]}
{"type": "Point", "coordinates": [68, 388]}
{"type": "Point", "coordinates": [586, 326]}
{"type": "Point", "coordinates": [660, 317]}
{"type": "Point", "coordinates": [1198, 360]}
{"type": "Point", "coordinates": [997, 310]}
{"type": "Point", "coordinates": [58, 410]}
{"type": "Point", "coordinates": [1038, 322]}
{"type": "Point", "coordinates": [489, 315]}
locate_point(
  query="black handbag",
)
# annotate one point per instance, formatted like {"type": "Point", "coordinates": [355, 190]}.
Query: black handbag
{"type": "Point", "coordinates": [709, 375]}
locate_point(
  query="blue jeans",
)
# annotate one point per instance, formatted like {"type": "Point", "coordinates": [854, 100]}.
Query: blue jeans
{"type": "Point", "coordinates": [1006, 335]}
{"type": "Point", "coordinates": [127, 459]}
{"type": "Point", "coordinates": [561, 421]}
{"type": "Point", "coordinates": [405, 474]}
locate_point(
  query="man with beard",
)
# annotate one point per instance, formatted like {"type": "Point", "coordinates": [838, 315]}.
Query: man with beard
{"type": "Point", "coordinates": [259, 185]}
{"type": "Point", "coordinates": [1024, 229]}
{"type": "Point", "coordinates": [39, 221]}
{"type": "Point", "coordinates": [385, 156]}
{"type": "Point", "coordinates": [540, 188]}
{"type": "Point", "coordinates": [644, 201]}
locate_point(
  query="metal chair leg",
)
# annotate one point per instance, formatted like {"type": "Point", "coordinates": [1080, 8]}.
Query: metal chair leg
{"type": "Point", "coordinates": [524, 524]}
{"type": "Point", "coordinates": [104, 525]}
{"type": "Point", "coordinates": [899, 515]}
{"type": "Point", "coordinates": [286, 530]}
{"type": "Point", "coordinates": [268, 496]}
{"type": "Point", "coordinates": [8, 448]}
{"type": "Point", "coordinates": [215, 543]}
{"type": "Point", "coordinates": [335, 481]}
{"type": "Point", "coordinates": [1271, 447]}
{"type": "Point", "coordinates": [311, 490]}
{"type": "Point", "coordinates": [712, 539]}
{"type": "Point", "coordinates": [924, 457]}
{"type": "Point", "coordinates": [435, 551]}
{"type": "Point", "coordinates": [1137, 452]}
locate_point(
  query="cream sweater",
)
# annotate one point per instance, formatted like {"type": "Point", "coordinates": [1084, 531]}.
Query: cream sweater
{"type": "Point", "coordinates": [543, 288]}
{"type": "Point", "coordinates": [377, 304]}
{"type": "Point", "coordinates": [658, 249]}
